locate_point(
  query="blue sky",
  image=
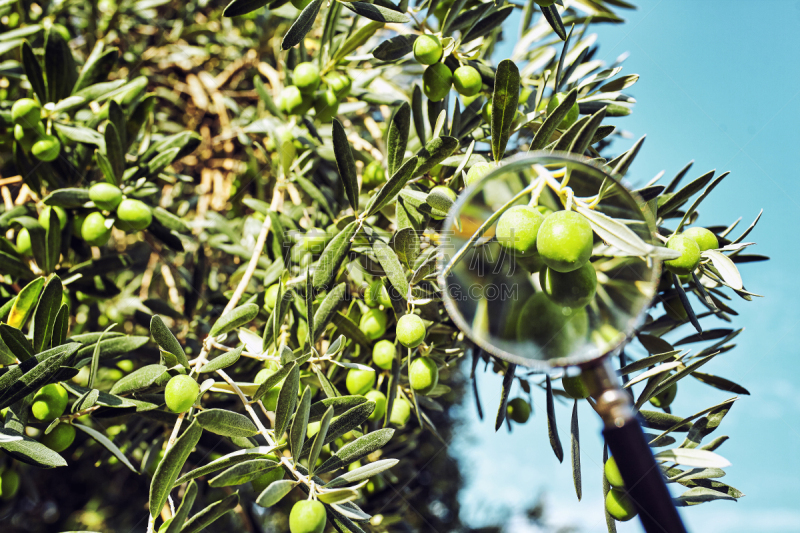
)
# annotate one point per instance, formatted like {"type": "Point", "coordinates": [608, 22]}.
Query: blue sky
{"type": "Point", "coordinates": [720, 85]}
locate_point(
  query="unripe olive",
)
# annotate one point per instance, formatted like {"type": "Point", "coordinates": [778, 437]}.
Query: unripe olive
{"type": "Point", "coordinates": [436, 81]}
{"type": "Point", "coordinates": [181, 393]}
{"type": "Point", "coordinates": [373, 323]}
{"type": "Point", "coordinates": [9, 484]}
{"type": "Point", "coordinates": [427, 49]}
{"type": "Point", "coordinates": [556, 330]}
{"type": "Point", "coordinates": [575, 387]}
{"type": "Point", "coordinates": [613, 476]}
{"type": "Point", "coordinates": [565, 241]}
{"type": "Point", "coordinates": [374, 175]}
{"type": "Point", "coordinates": [410, 330]}
{"type": "Point", "coordinates": [271, 398]}
{"type": "Point", "coordinates": [26, 112]}
{"type": "Point", "coordinates": [307, 516]}
{"type": "Point", "coordinates": [477, 171]}
{"type": "Point", "coordinates": [94, 230]}
{"type": "Point", "coordinates": [133, 215]}
{"type": "Point", "coordinates": [44, 216]}
{"type": "Point", "coordinates": [105, 196]}
{"type": "Point", "coordinates": [314, 240]}
{"type": "Point", "coordinates": [571, 116]}
{"type": "Point", "coordinates": [340, 83]}
{"type": "Point", "coordinates": [271, 296]}
{"type": "Point", "coordinates": [423, 375]}
{"type": "Point", "coordinates": [376, 294]}
{"type": "Point", "coordinates": [467, 80]}
{"type": "Point", "coordinates": [401, 412]}
{"type": "Point", "coordinates": [294, 102]}
{"type": "Point", "coordinates": [300, 4]}
{"type": "Point", "coordinates": [689, 258]}
{"type": "Point", "coordinates": [359, 382]}
{"type": "Point", "coordinates": [49, 402]}
{"type": "Point", "coordinates": [26, 137]}
{"type": "Point", "coordinates": [705, 239]}
{"type": "Point", "coordinates": [46, 148]}
{"type": "Point", "coordinates": [23, 242]}
{"type": "Point", "coordinates": [664, 398]}
{"type": "Point", "coordinates": [518, 228]}
{"type": "Point", "coordinates": [60, 438]}
{"type": "Point", "coordinates": [306, 77]}
{"type": "Point", "coordinates": [518, 410]}
{"type": "Point", "coordinates": [383, 353]}
{"type": "Point", "coordinates": [570, 289]}
{"type": "Point", "coordinates": [619, 505]}
{"type": "Point", "coordinates": [486, 112]}
{"type": "Point", "coordinates": [326, 104]}
{"type": "Point", "coordinates": [380, 404]}
{"type": "Point", "coordinates": [441, 198]}
{"type": "Point", "coordinates": [532, 262]}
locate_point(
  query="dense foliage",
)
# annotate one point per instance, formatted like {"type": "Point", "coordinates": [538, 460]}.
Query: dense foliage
{"type": "Point", "coordinates": [218, 258]}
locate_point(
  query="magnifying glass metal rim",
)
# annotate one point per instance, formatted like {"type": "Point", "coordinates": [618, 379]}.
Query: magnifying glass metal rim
{"type": "Point", "coordinates": [541, 365]}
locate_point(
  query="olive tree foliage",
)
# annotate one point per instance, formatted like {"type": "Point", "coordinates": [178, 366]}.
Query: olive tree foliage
{"type": "Point", "coordinates": [284, 220]}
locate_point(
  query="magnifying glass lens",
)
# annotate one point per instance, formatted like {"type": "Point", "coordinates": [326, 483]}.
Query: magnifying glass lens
{"type": "Point", "coordinates": [546, 262]}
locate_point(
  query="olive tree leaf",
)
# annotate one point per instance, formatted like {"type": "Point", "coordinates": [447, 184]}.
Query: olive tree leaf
{"type": "Point", "coordinates": [275, 492]}
{"type": "Point", "coordinates": [237, 8]}
{"type": "Point", "coordinates": [326, 310]}
{"type": "Point", "coordinates": [169, 467]}
{"type": "Point", "coordinates": [720, 383]}
{"type": "Point", "coordinates": [623, 162]}
{"type": "Point", "coordinates": [340, 404]}
{"type": "Point", "coordinates": [552, 122]}
{"type": "Point", "coordinates": [357, 449]}
{"type": "Point", "coordinates": [94, 367]}
{"type": "Point", "coordinates": [348, 421]}
{"type": "Point", "coordinates": [697, 495]}
{"type": "Point", "coordinates": [693, 457]}
{"type": "Point", "coordinates": [33, 373]}
{"type": "Point", "coordinates": [397, 132]}
{"type": "Point", "coordinates": [394, 48]}
{"type": "Point", "coordinates": [417, 113]}
{"type": "Point", "coordinates": [17, 343]}
{"type": "Point", "coordinates": [345, 163]}
{"type": "Point", "coordinates": [505, 99]}
{"type": "Point", "coordinates": [552, 428]}
{"type": "Point", "coordinates": [233, 319]}
{"type": "Point", "coordinates": [297, 435]}
{"type": "Point", "coordinates": [167, 341]}
{"type": "Point", "coordinates": [333, 256]}
{"type": "Point", "coordinates": [488, 23]}
{"type": "Point", "coordinates": [226, 423]}
{"type": "Point", "coordinates": [25, 303]}
{"type": "Point", "coordinates": [361, 473]}
{"type": "Point", "coordinates": [392, 187]}
{"type": "Point", "coordinates": [33, 71]}
{"type": "Point", "coordinates": [25, 449]}
{"type": "Point", "coordinates": [582, 141]}
{"type": "Point", "coordinates": [576, 451]}
{"type": "Point", "coordinates": [376, 12]}
{"type": "Point", "coordinates": [107, 444]}
{"type": "Point", "coordinates": [686, 304]}
{"type": "Point", "coordinates": [726, 268]}
{"type": "Point", "coordinates": [223, 361]}
{"type": "Point", "coordinates": [68, 197]}
{"type": "Point", "coordinates": [301, 26]}
{"type": "Point", "coordinates": [59, 66]}
{"type": "Point", "coordinates": [670, 202]}
{"type": "Point", "coordinates": [243, 472]}
{"type": "Point", "coordinates": [226, 461]}
{"type": "Point", "coordinates": [407, 245]}
{"type": "Point", "coordinates": [392, 267]}
{"type": "Point", "coordinates": [434, 152]}
{"type": "Point", "coordinates": [207, 516]}
{"type": "Point", "coordinates": [183, 510]}
{"type": "Point", "coordinates": [319, 440]}
{"type": "Point", "coordinates": [273, 380]}
{"type": "Point", "coordinates": [287, 399]}
{"type": "Point", "coordinates": [705, 425]}
{"type": "Point", "coordinates": [508, 380]}
{"type": "Point", "coordinates": [143, 378]}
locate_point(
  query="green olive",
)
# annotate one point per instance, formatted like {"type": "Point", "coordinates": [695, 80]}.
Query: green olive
{"type": "Point", "coordinates": [467, 80]}
{"type": "Point", "coordinates": [705, 239]}
{"type": "Point", "coordinates": [60, 437]}
{"type": "Point", "coordinates": [326, 104]}
{"type": "Point", "coordinates": [401, 412]}
{"type": "Point", "coordinates": [306, 77]}
{"type": "Point", "coordinates": [556, 330]}
{"type": "Point", "coordinates": [477, 171]}
{"type": "Point", "coordinates": [611, 471]}
{"type": "Point", "coordinates": [359, 382]}
{"type": "Point", "coordinates": [575, 387]}
{"type": "Point", "coordinates": [340, 83]}
{"type": "Point", "coordinates": [46, 148]}
{"type": "Point", "coordinates": [689, 258]}
{"type": "Point", "coordinates": [49, 402]}
{"type": "Point", "coordinates": [376, 294]}
{"type": "Point", "coordinates": [271, 296]}
{"type": "Point", "coordinates": [294, 102]}
{"type": "Point", "coordinates": [570, 289]}
{"type": "Point", "coordinates": [373, 323]}
{"type": "Point", "coordinates": [9, 484]}
{"type": "Point", "coordinates": [307, 516]}
{"type": "Point", "coordinates": [373, 175]}
{"type": "Point", "coordinates": [94, 229]}
{"type": "Point", "coordinates": [105, 196]}
{"type": "Point", "coordinates": [423, 375]}
{"type": "Point", "coordinates": [427, 49]}
{"type": "Point", "coordinates": [275, 474]}
{"type": "Point", "coordinates": [23, 242]}
{"type": "Point", "coordinates": [565, 241]}
{"type": "Point", "coordinates": [665, 398]}
{"type": "Point", "coordinates": [133, 215]}
{"type": "Point", "coordinates": [44, 216]}
{"type": "Point", "coordinates": [619, 505]}
{"type": "Point", "coordinates": [383, 353]}
{"type": "Point", "coordinates": [181, 393]}
{"type": "Point", "coordinates": [518, 228]}
{"type": "Point", "coordinates": [571, 116]}
{"type": "Point", "coordinates": [300, 4]}
{"type": "Point", "coordinates": [436, 81]}
{"type": "Point", "coordinates": [410, 330]}
{"type": "Point", "coordinates": [26, 112]}
{"type": "Point", "coordinates": [380, 404]}
{"type": "Point", "coordinates": [486, 112]}
{"type": "Point", "coordinates": [518, 410]}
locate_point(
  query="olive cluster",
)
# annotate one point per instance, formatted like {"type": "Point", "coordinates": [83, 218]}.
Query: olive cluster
{"type": "Point", "coordinates": [438, 78]}
{"type": "Point", "coordinates": [49, 403]}
{"type": "Point", "coordinates": [309, 89]}
{"type": "Point", "coordinates": [30, 133]}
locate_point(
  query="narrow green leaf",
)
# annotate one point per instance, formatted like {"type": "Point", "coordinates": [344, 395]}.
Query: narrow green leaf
{"type": "Point", "coordinates": [361, 473]}
{"type": "Point", "coordinates": [327, 309]}
{"type": "Point", "coordinates": [576, 451]}
{"type": "Point", "coordinates": [508, 380]}
{"type": "Point", "coordinates": [273, 380]}
{"type": "Point", "coordinates": [166, 340]}
{"type": "Point", "coordinates": [68, 197]}
{"type": "Point", "coordinates": [345, 163]}
{"type": "Point", "coordinates": [169, 467]}
{"type": "Point", "coordinates": [297, 435]}
{"type": "Point", "coordinates": [107, 444]}
{"type": "Point", "coordinates": [333, 256]}
{"type": "Point", "coordinates": [37, 370]}
{"type": "Point", "coordinates": [319, 440]}
{"type": "Point", "coordinates": [226, 423]}
{"type": "Point", "coordinates": [223, 361]}
{"type": "Point", "coordinates": [417, 114]}
{"type": "Point", "coordinates": [275, 492]}
{"type": "Point", "coordinates": [59, 65]}
{"type": "Point", "coordinates": [184, 509]}
{"type": "Point", "coordinates": [392, 267]}
{"type": "Point", "coordinates": [581, 142]}
{"type": "Point", "coordinates": [505, 99]}
{"type": "Point", "coordinates": [376, 12]}
{"type": "Point", "coordinates": [24, 303]}
{"type": "Point", "coordinates": [552, 122]}
{"type": "Point", "coordinates": [226, 461]}
{"type": "Point", "coordinates": [697, 495]}
{"type": "Point", "coordinates": [16, 342]}
{"type": "Point", "coordinates": [143, 378]}
{"type": "Point", "coordinates": [394, 48]}
{"type": "Point", "coordinates": [53, 240]}
{"type": "Point", "coordinates": [488, 23]}
{"type": "Point", "coordinates": [672, 202]}
{"type": "Point", "coordinates": [554, 20]}
{"type": "Point", "coordinates": [436, 151]}
{"type": "Point", "coordinates": [210, 514]}
{"type": "Point", "coordinates": [96, 358]}
{"type": "Point", "coordinates": [29, 451]}
{"type": "Point", "coordinates": [61, 327]}
{"type": "Point", "coordinates": [357, 449]}
{"type": "Point", "coordinates": [238, 8]}
{"type": "Point", "coordinates": [233, 319]}
{"type": "Point", "coordinates": [340, 404]}
{"type": "Point", "coordinates": [287, 399]}
{"type": "Point", "coordinates": [397, 135]}
{"type": "Point", "coordinates": [392, 187]}
{"type": "Point", "coordinates": [301, 26]}
{"type": "Point", "coordinates": [33, 71]}
{"type": "Point", "coordinates": [693, 457]}
{"type": "Point", "coordinates": [552, 428]}
{"type": "Point", "coordinates": [243, 472]}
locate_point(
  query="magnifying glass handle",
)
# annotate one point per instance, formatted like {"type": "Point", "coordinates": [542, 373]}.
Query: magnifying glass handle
{"type": "Point", "coordinates": [643, 479]}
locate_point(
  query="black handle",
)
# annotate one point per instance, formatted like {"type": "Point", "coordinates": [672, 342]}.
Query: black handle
{"type": "Point", "coordinates": [643, 480]}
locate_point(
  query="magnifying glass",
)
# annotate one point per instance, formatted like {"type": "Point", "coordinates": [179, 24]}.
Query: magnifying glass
{"type": "Point", "coordinates": [549, 262]}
